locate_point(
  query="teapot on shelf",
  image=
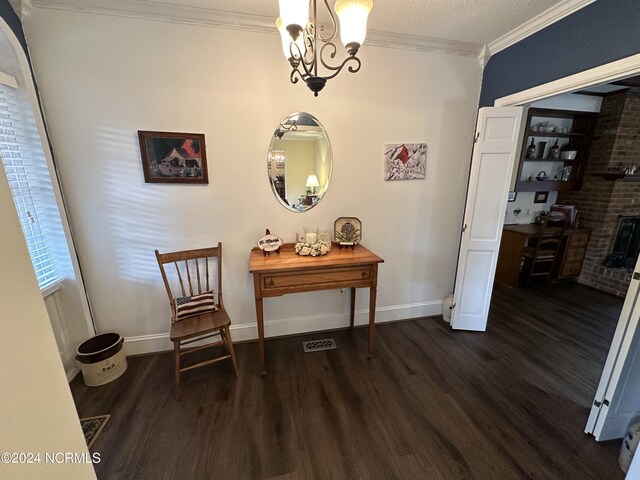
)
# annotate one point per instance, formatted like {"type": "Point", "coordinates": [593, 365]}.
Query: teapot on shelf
{"type": "Point", "coordinates": [542, 176]}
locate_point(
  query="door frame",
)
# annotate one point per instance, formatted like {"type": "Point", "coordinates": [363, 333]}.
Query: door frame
{"type": "Point", "coordinates": [614, 367]}
{"type": "Point", "coordinates": [607, 72]}
{"type": "Point", "coordinates": [604, 73]}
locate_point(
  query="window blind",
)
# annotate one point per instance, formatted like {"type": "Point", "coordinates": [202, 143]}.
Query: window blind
{"type": "Point", "coordinates": [26, 170]}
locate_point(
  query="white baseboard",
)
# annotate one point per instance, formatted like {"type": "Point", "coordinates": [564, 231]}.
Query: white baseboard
{"type": "Point", "coordinates": [275, 328]}
{"type": "Point", "coordinates": [71, 374]}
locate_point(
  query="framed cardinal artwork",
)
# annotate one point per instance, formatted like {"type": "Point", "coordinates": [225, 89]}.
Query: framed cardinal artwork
{"type": "Point", "coordinates": [405, 161]}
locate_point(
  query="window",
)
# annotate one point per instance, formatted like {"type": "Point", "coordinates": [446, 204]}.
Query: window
{"type": "Point", "coordinates": [26, 170]}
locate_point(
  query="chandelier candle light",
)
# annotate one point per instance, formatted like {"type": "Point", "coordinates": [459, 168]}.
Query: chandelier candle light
{"type": "Point", "coordinates": [304, 44]}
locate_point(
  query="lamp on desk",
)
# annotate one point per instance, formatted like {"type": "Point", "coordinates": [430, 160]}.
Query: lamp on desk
{"type": "Point", "coordinates": [312, 183]}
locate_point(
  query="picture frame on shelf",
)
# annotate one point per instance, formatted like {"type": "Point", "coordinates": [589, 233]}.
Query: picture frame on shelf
{"type": "Point", "coordinates": [169, 157]}
{"type": "Point", "coordinates": [540, 197]}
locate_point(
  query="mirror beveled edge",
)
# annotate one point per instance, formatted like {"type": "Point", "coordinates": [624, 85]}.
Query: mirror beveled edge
{"type": "Point", "coordinates": [299, 148]}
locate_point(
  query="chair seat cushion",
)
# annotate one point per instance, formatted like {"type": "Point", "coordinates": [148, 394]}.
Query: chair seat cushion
{"type": "Point", "coordinates": [195, 305]}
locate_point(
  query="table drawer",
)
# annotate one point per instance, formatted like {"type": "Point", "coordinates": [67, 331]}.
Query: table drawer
{"type": "Point", "coordinates": [317, 279]}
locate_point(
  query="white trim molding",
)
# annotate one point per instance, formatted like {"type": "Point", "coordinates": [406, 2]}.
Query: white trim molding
{"type": "Point", "coordinates": [181, 14]}
{"type": "Point", "coordinates": [603, 74]}
{"type": "Point", "coordinates": [160, 342]}
{"type": "Point", "coordinates": [403, 41]}
{"type": "Point", "coordinates": [71, 374]}
{"type": "Point", "coordinates": [537, 23]}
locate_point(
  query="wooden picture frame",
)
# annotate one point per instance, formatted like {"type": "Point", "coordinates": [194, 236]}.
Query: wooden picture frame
{"type": "Point", "coordinates": [540, 197]}
{"type": "Point", "coordinates": [173, 157]}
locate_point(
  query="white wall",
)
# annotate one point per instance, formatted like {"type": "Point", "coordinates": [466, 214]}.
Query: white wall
{"type": "Point", "coordinates": [102, 78]}
{"type": "Point", "coordinates": [38, 414]}
{"type": "Point", "coordinates": [528, 209]}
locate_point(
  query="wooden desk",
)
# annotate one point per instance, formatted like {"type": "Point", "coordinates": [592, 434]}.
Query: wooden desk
{"type": "Point", "coordinates": [516, 237]}
{"type": "Point", "coordinates": [279, 274]}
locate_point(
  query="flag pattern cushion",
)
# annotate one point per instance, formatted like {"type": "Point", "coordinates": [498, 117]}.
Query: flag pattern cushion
{"type": "Point", "coordinates": [195, 305]}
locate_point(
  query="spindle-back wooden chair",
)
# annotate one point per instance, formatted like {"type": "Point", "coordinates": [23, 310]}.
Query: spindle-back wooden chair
{"type": "Point", "coordinates": [197, 308]}
{"type": "Point", "coordinates": [538, 260]}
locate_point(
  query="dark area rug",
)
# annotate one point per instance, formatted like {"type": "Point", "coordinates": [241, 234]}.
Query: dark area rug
{"type": "Point", "coordinates": [92, 426]}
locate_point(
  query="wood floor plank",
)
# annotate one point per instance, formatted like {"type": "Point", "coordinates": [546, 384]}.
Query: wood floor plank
{"type": "Point", "coordinates": [510, 403]}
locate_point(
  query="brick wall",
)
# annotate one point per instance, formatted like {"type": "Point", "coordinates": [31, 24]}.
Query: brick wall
{"type": "Point", "coordinates": [616, 143]}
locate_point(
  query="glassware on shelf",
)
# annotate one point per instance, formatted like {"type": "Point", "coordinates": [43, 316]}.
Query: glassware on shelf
{"type": "Point", "coordinates": [531, 149]}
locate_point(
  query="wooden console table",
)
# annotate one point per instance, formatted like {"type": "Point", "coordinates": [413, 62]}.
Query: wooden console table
{"type": "Point", "coordinates": [279, 274]}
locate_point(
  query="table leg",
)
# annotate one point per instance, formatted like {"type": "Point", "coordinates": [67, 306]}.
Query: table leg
{"type": "Point", "coordinates": [260, 319]}
{"type": "Point", "coordinates": [353, 305]}
{"type": "Point", "coordinates": [372, 317]}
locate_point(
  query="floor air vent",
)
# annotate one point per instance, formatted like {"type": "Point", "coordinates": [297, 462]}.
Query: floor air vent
{"type": "Point", "coordinates": [318, 345]}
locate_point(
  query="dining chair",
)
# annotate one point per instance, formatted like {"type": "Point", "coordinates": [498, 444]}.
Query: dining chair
{"type": "Point", "coordinates": [539, 258]}
{"type": "Point", "coordinates": [197, 308]}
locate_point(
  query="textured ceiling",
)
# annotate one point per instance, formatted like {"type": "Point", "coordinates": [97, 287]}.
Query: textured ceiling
{"type": "Point", "coordinates": [475, 21]}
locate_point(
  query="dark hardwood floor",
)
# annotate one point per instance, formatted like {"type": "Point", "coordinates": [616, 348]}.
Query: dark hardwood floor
{"type": "Point", "coordinates": [510, 403]}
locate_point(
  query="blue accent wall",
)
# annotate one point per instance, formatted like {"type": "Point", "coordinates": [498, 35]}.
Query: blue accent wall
{"type": "Point", "coordinates": [603, 32]}
{"type": "Point", "coordinates": [9, 16]}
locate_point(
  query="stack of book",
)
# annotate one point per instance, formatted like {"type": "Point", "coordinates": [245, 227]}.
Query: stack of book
{"type": "Point", "coordinates": [569, 210]}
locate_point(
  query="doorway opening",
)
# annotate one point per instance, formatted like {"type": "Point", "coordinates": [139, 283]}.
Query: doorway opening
{"type": "Point", "coordinates": [609, 417]}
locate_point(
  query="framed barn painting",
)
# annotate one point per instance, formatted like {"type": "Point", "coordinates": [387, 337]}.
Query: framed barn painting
{"type": "Point", "coordinates": [405, 161]}
{"type": "Point", "coordinates": [173, 157]}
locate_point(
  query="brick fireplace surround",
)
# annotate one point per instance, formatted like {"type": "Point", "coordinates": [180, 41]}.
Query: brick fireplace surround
{"type": "Point", "coordinates": [606, 194]}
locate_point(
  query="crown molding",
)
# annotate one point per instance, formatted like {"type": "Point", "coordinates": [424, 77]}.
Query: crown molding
{"type": "Point", "coordinates": [537, 23]}
{"type": "Point", "coordinates": [425, 44]}
{"type": "Point", "coordinates": [165, 12]}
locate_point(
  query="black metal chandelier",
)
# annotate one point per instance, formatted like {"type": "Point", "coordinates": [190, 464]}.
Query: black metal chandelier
{"type": "Point", "coordinates": [305, 46]}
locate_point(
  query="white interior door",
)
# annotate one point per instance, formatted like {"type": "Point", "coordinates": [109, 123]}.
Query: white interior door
{"type": "Point", "coordinates": [498, 140]}
{"type": "Point", "coordinates": [617, 398]}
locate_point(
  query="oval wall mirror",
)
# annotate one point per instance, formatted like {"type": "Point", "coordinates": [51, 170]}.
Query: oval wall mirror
{"type": "Point", "coordinates": [299, 162]}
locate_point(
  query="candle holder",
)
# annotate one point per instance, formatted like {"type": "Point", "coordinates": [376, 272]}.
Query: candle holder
{"type": "Point", "coordinates": [313, 242]}
{"type": "Point", "coordinates": [311, 235]}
